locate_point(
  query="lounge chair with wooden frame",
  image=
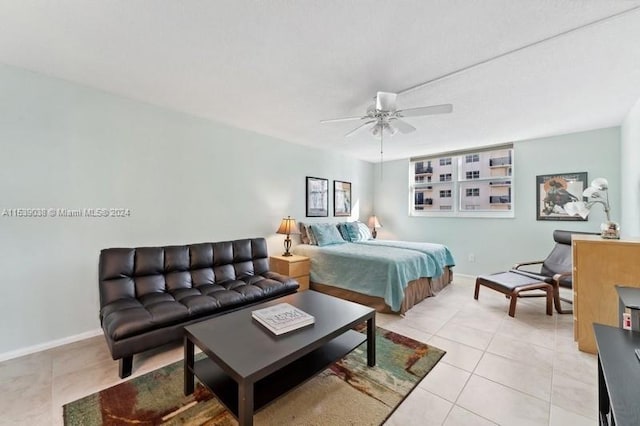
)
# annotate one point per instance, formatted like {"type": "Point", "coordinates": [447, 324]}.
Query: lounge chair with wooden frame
{"type": "Point", "coordinates": [555, 272]}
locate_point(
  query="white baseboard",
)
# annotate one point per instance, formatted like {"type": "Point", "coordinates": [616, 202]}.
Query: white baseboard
{"type": "Point", "coordinates": [49, 345]}
{"type": "Point", "coordinates": [470, 277]}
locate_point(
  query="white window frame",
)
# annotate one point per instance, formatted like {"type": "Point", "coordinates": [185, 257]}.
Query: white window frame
{"type": "Point", "coordinates": [457, 193]}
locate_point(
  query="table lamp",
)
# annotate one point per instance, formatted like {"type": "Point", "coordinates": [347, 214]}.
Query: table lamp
{"type": "Point", "coordinates": [597, 193]}
{"type": "Point", "coordinates": [373, 224]}
{"type": "Point", "coordinates": [288, 226]}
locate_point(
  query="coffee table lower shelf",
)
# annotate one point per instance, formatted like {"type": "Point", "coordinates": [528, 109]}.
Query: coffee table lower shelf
{"type": "Point", "coordinates": [280, 382]}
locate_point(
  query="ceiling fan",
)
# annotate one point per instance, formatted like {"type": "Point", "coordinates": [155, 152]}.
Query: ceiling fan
{"type": "Point", "coordinates": [385, 117]}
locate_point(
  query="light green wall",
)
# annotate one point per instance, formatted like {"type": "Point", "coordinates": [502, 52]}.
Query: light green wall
{"type": "Point", "coordinates": [630, 170]}
{"type": "Point", "coordinates": [499, 243]}
{"type": "Point", "coordinates": [185, 180]}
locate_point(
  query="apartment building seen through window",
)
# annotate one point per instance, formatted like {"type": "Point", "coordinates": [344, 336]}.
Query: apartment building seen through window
{"type": "Point", "coordinates": [476, 183]}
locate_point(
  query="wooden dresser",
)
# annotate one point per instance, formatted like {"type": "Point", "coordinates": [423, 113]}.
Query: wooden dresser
{"type": "Point", "coordinates": [294, 266]}
{"type": "Point", "coordinates": [598, 265]}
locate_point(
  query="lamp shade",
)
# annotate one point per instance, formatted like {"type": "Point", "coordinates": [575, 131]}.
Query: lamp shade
{"type": "Point", "coordinates": [597, 193]}
{"type": "Point", "coordinates": [600, 184]}
{"type": "Point", "coordinates": [288, 226]}
{"type": "Point", "coordinates": [374, 222]}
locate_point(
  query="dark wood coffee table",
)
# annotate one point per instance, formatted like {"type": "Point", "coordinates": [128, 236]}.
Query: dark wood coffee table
{"type": "Point", "coordinates": [247, 366]}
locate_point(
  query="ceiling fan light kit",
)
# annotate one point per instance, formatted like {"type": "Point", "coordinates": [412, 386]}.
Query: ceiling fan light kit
{"type": "Point", "coordinates": [383, 127]}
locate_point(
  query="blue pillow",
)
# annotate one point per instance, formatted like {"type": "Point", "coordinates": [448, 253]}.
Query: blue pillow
{"type": "Point", "coordinates": [342, 227]}
{"type": "Point", "coordinates": [326, 234]}
{"type": "Point", "coordinates": [358, 231]}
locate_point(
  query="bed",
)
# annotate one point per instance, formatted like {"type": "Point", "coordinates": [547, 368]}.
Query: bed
{"type": "Point", "coordinates": [440, 254]}
{"type": "Point", "coordinates": [390, 276]}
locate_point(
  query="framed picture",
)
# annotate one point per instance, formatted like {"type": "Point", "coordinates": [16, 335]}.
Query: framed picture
{"type": "Point", "coordinates": [341, 198]}
{"type": "Point", "coordinates": [554, 191]}
{"type": "Point", "coordinates": [317, 197]}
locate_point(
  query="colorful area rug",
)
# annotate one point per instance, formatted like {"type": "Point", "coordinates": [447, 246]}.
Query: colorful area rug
{"type": "Point", "coordinates": [348, 392]}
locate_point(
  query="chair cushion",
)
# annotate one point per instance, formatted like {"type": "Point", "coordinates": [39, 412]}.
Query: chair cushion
{"type": "Point", "coordinates": [558, 262]}
{"type": "Point", "coordinates": [510, 280]}
{"type": "Point", "coordinates": [537, 277]}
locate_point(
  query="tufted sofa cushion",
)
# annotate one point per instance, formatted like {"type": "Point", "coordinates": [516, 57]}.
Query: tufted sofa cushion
{"type": "Point", "coordinates": [148, 288]}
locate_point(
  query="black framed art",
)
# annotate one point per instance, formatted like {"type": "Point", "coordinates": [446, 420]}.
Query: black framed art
{"type": "Point", "coordinates": [554, 191]}
{"type": "Point", "coordinates": [341, 198]}
{"type": "Point", "coordinates": [317, 197]}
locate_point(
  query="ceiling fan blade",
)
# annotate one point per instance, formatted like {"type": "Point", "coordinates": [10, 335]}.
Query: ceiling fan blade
{"type": "Point", "coordinates": [386, 101]}
{"type": "Point", "coordinates": [354, 131]}
{"type": "Point", "coordinates": [428, 110]}
{"type": "Point", "coordinates": [403, 126]}
{"type": "Point", "coordinates": [338, 120]}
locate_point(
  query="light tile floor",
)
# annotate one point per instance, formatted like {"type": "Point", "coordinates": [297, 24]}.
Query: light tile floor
{"type": "Point", "coordinates": [498, 370]}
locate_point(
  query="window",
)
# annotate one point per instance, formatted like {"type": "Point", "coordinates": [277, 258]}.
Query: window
{"type": "Point", "coordinates": [419, 201]}
{"type": "Point", "coordinates": [473, 183]}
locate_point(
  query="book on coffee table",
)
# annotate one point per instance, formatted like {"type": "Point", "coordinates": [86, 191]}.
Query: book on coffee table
{"type": "Point", "coordinates": [282, 318]}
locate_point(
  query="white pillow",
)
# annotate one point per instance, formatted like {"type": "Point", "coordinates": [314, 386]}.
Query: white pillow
{"type": "Point", "coordinates": [364, 232]}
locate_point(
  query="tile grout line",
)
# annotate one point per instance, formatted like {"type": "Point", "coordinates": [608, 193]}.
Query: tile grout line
{"type": "Point", "coordinates": [471, 374]}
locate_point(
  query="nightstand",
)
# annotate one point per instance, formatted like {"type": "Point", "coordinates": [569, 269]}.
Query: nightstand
{"type": "Point", "coordinates": [295, 266]}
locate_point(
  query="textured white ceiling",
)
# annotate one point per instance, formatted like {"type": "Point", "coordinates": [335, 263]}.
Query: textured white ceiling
{"type": "Point", "coordinates": [278, 67]}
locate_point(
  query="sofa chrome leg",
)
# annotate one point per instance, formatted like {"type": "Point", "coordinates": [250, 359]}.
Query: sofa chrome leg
{"type": "Point", "coordinates": [126, 366]}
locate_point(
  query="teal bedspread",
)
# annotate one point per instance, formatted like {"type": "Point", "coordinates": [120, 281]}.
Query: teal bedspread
{"type": "Point", "coordinates": [438, 252]}
{"type": "Point", "coordinates": [375, 270]}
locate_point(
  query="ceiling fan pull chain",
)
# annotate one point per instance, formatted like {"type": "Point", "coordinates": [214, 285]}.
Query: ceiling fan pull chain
{"type": "Point", "coordinates": [381, 156]}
